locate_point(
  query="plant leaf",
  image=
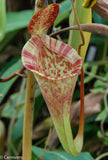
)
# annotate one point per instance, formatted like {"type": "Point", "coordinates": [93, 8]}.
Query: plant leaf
{"type": "Point", "coordinates": [4, 87]}
{"type": "Point", "coordinates": [9, 109]}
{"type": "Point", "coordinates": [17, 131]}
{"type": "Point", "coordinates": [52, 155]}
{"type": "Point", "coordinates": [100, 84]}
{"type": "Point", "coordinates": [89, 77]}
{"type": "Point", "coordinates": [98, 19]}
{"type": "Point", "coordinates": [2, 19]}
{"type": "Point", "coordinates": [101, 116]}
{"type": "Point", "coordinates": [98, 90]}
{"type": "Point", "coordinates": [18, 20]}
{"type": "Point", "coordinates": [43, 19]}
{"type": "Point", "coordinates": [65, 9]}
{"type": "Point", "coordinates": [84, 15]}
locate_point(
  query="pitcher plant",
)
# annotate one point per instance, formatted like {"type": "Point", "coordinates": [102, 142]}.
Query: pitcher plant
{"type": "Point", "coordinates": [55, 66]}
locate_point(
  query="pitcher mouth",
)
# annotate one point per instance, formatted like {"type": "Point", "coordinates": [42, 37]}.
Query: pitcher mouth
{"type": "Point", "coordinates": [54, 78]}
{"type": "Point", "coordinates": [63, 69]}
{"type": "Point", "coordinates": [50, 58]}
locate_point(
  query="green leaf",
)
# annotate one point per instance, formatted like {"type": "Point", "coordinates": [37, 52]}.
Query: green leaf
{"type": "Point", "coordinates": [99, 134]}
{"type": "Point", "coordinates": [98, 19]}
{"type": "Point", "coordinates": [99, 83]}
{"type": "Point", "coordinates": [54, 155]}
{"type": "Point", "coordinates": [89, 77]}
{"type": "Point", "coordinates": [65, 8]}
{"type": "Point", "coordinates": [2, 19]}
{"type": "Point", "coordinates": [98, 90]}
{"type": "Point", "coordinates": [101, 116]}
{"type": "Point", "coordinates": [98, 63]}
{"type": "Point", "coordinates": [4, 87]}
{"type": "Point", "coordinates": [106, 141]}
{"type": "Point", "coordinates": [84, 16]}
{"type": "Point", "coordinates": [16, 101]}
{"type": "Point", "coordinates": [9, 64]}
{"type": "Point", "coordinates": [18, 20]}
{"type": "Point", "coordinates": [106, 68]}
{"type": "Point", "coordinates": [18, 127]}
{"type": "Point", "coordinates": [10, 107]}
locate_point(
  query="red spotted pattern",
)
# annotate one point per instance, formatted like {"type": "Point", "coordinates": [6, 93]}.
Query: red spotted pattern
{"type": "Point", "coordinates": [43, 19]}
{"type": "Point", "coordinates": [57, 94]}
{"type": "Point", "coordinates": [51, 62]}
{"type": "Point", "coordinates": [62, 49]}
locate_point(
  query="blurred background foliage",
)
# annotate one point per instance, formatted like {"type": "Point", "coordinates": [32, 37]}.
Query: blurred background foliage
{"type": "Point", "coordinates": [12, 93]}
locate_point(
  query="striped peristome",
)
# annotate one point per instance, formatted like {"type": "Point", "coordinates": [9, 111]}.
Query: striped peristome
{"type": "Point", "coordinates": [61, 48]}
{"type": "Point", "coordinates": [50, 58]}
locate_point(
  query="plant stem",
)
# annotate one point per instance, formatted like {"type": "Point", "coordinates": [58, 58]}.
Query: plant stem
{"type": "Point", "coordinates": [29, 104]}
{"type": "Point", "coordinates": [45, 144]}
{"type": "Point", "coordinates": [102, 155]}
{"type": "Point", "coordinates": [11, 146]}
{"type": "Point", "coordinates": [81, 124]}
{"type": "Point", "coordinates": [96, 28]}
{"type": "Point", "coordinates": [28, 116]}
{"type": "Point", "coordinates": [38, 5]}
{"type": "Point", "coordinates": [98, 63]}
{"type": "Point", "coordinates": [79, 138]}
{"type": "Point", "coordinates": [106, 110]}
{"type": "Point", "coordinates": [9, 141]}
{"type": "Point", "coordinates": [96, 76]}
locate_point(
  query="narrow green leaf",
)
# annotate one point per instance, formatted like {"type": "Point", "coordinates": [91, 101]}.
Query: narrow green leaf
{"type": "Point", "coordinates": [2, 19]}
{"type": "Point", "coordinates": [9, 109]}
{"type": "Point", "coordinates": [89, 77]}
{"type": "Point", "coordinates": [98, 19]}
{"type": "Point", "coordinates": [84, 15]}
{"type": "Point", "coordinates": [52, 155]}
{"type": "Point", "coordinates": [99, 83]}
{"type": "Point", "coordinates": [16, 101]}
{"type": "Point", "coordinates": [18, 129]}
{"type": "Point", "coordinates": [18, 20]}
{"type": "Point", "coordinates": [101, 116]}
{"type": "Point", "coordinates": [99, 134]}
{"type": "Point", "coordinates": [65, 9]}
{"type": "Point", "coordinates": [4, 87]}
{"type": "Point", "coordinates": [98, 90]}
